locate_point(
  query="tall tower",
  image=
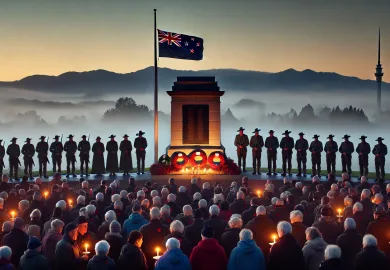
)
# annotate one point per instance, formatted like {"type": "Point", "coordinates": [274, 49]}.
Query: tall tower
{"type": "Point", "coordinates": [379, 75]}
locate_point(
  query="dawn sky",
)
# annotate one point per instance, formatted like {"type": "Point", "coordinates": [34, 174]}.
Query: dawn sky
{"type": "Point", "coordinates": [55, 36]}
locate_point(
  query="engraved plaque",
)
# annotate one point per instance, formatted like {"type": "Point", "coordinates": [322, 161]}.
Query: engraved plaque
{"type": "Point", "coordinates": [195, 124]}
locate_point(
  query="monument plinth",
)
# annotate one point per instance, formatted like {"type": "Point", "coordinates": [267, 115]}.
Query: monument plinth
{"type": "Point", "coordinates": [195, 115]}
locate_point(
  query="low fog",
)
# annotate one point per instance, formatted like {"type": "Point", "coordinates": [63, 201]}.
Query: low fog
{"type": "Point", "coordinates": [21, 117]}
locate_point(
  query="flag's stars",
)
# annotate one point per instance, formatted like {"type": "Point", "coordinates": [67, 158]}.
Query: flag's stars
{"type": "Point", "coordinates": [192, 51]}
{"type": "Point", "coordinates": [186, 43]}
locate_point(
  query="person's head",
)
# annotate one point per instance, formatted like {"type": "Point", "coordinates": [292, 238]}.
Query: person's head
{"type": "Point", "coordinates": [136, 209]}
{"type": "Point", "coordinates": [57, 225]}
{"type": "Point", "coordinates": [349, 224]}
{"type": "Point", "coordinates": [7, 226]}
{"type": "Point", "coordinates": [1, 203]}
{"type": "Point", "coordinates": [81, 200]}
{"type": "Point", "coordinates": [207, 232]}
{"type": "Point", "coordinates": [194, 181]}
{"type": "Point", "coordinates": [366, 193]}
{"type": "Point", "coordinates": [202, 203]}
{"type": "Point", "coordinates": [214, 210]}
{"type": "Point", "coordinates": [182, 189]}
{"type": "Point", "coordinates": [91, 210]}
{"type": "Point", "coordinates": [369, 241]}
{"type": "Point", "coordinates": [325, 200]}
{"type": "Point", "coordinates": [145, 203]}
{"type": "Point", "coordinates": [5, 178]}
{"type": "Point", "coordinates": [165, 210]}
{"type": "Point", "coordinates": [153, 193]}
{"type": "Point", "coordinates": [34, 230]}
{"type": "Point", "coordinates": [206, 185]}
{"type": "Point", "coordinates": [296, 216]}
{"type": "Point", "coordinates": [135, 238]}
{"type": "Point", "coordinates": [348, 201]}
{"type": "Point", "coordinates": [315, 179]}
{"type": "Point", "coordinates": [34, 244]}
{"type": "Point", "coordinates": [299, 185]}
{"type": "Point", "coordinates": [83, 212]}
{"type": "Point", "coordinates": [23, 205]}
{"type": "Point", "coordinates": [305, 190]}
{"type": "Point", "coordinates": [197, 196]}
{"type": "Point", "coordinates": [286, 181]}
{"type": "Point", "coordinates": [261, 211]}
{"type": "Point", "coordinates": [5, 252]}
{"type": "Point", "coordinates": [115, 227]}
{"type": "Point", "coordinates": [312, 233]}
{"type": "Point", "coordinates": [172, 243]}
{"type": "Point", "coordinates": [109, 216]}
{"type": "Point", "coordinates": [176, 227]}
{"type": "Point", "coordinates": [155, 213]}
{"type": "Point", "coordinates": [156, 201]}
{"type": "Point", "coordinates": [171, 198]}
{"type": "Point", "coordinates": [187, 210]}
{"type": "Point", "coordinates": [332, 252]}
{"type": "Point", "coordinates": [240, 195]}
{"type": "Point", "coordinates": [235, 223]}
{"type": "Point", "coordinates": [82, 224]}
{"type": "Point", "coordinates": [118, 205]}
{"type": "Point", "coordinates": [378, 198]}
{"type": "Point", "coordinates": [71, 230]}
{"type": "Point", "coordinates": [102, 248]}
{"type": "Point", "coordinates": [35, 214]}
{"type": "Point", "coordinates": [357, 207]}
{"type": "Point", "coordinates": [283, 228]}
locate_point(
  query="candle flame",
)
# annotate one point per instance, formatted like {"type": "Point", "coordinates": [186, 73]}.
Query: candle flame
{"type": "Point", "coordinates": [198, 153]}
{"type": "Point", "coordinates": [157, 249]}
{"type": "Point", "coordinates": [45, 194]}
{"type": "Point", "coordinates": [217, 154]}
{"type": "Point", "coordinates": [13, 213]}
{"type": "Point", "coordinates": [180, 154]}
{"type": "Point", "coordinates": [86, 246]}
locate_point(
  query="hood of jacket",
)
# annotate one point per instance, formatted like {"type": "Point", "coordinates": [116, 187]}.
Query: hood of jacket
{"type": "Point", "coordinates": [29, 253]}
{"type": "Point", "coordinates": [210, 245]}
{"type": "Point", "coordinates": [247, 246]}
{"type": "Point", "coordinates": [136, 218]}
{"type": "Point", "coordinates": [100, 259]}
{"type": "Point", "coordinates": [317, 244]}
{"type": "Point", "coordinates": [173, 257]}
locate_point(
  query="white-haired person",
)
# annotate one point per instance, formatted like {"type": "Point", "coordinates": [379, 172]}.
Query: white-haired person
{"type": "Point", "coordinates": [194, 188]}
{"type": "Point", "coordinates": [371, 257]}
{"type": "Point", "coordinates": [175, 210]}
{"type": "Point", "coordinates": [187, 216]}
{"type": "Point", "coordinates": [216, 222]}
{"type": "Point", "coordinates": [230, 238]}
{"type": "Point", "coordinates": [50, 240]}
{"type": "Point", "coordinates": [5, 258]}
{"type": "Point", "coordinates": [5, 229]}
{"type": "Point", "coordinates": [246, 255]}
{"type": "Point", "coordinates": [313, 251]}
{"type": "Point", "coordinates": [332, 259]}
{"type": "Point", "coordinates": [298, 228]}
{"type": "Point", "coordinates": [177, 231]}
{"type": "Point", "coordinates": [173, 258]}
{"type": "Point", "coordinates": [153, 235]}
{"type": "Point", "coordinates": [35, 218]}
{"type": "Point", "coordinates": [286, 247]}
{"type": "Point", "coordinates": [207, 192]}
{"type": "Point", "coordinates": [109, 216]}
{"type": "Point", "coordinates": [203, 207]}
{"type": "Point", "coordinates": [182, 197]}
{"type": "Point", "coordinates": [115, 239]}
{"type": "Point", "coordinates": [280, 213]}
{"type": "Point", "coordinates": [101, 261]}
{"type": "Point", "coordinates": [239, 205]}
{"type": "Point", "coordinates": [165, 214]}
{"type": "Point", "coordinates": [368, 206]}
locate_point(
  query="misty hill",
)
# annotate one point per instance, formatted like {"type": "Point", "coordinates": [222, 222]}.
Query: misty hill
{"type": "Point", "coordinates": [97, 82]}
{"type": "Point", "coordinates": [245, 103]}
{"type": "Point", "coordinates": [59, 105]}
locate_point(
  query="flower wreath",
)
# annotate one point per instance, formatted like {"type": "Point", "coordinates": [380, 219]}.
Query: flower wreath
{"type": "Point", "coordinates": [164, 160]}
{"type": "Point", "coordinates": [212, 156]}
{"type": "Point", "coordinates": [192, 156]}
{"type": "Point", "coordinates": [175, 156]}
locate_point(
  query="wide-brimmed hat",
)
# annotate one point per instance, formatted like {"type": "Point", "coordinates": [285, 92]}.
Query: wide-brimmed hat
{"type": "Point", "coordinates": [316, 136]}
{"type": "Point", "coordinates": [70, 136]}
{"type": "Point", "coordinates": [98, 138]}
{"type": "Point", "coordinates": [14, 139]}
{"type": "Point", "coordinates": [346, 136]}
{"type": "Point", "coordinates": [286, 132]}
{"type": "Point", "coordinates": [301, 134]}
{"type": "Point", "coordinates": [125, 136]}
{"type": "Point", "coordinates": [241, 129]}
{"type": "Point", "coordinates": [330, 136]}
{"type": "Point", "coordinates": [271, 131]}
{"type": "Point", "coordinates": [1, 140]}
{"type": "Point", "coordinates": [379, 139]}
{"type": "Point", "coordinates": [56, 137]}
{"type": "Point", "coordinates": [140, 133]}
{"type": "Point", "coordinates": [42, 137]}
{"type": "Point", "coordinates": [112, 136]}
{"type": "Point", "coordinates": [256, 130]}
{"type": "Point", "coordinates": [28, 139]}
{"type": "Point", "coordinates": [363, 137]}
{"type": "Point", "coordinates": [84, 136]}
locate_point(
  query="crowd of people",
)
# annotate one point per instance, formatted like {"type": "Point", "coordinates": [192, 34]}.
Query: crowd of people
{"type": "Point", "coordinates": [297, 226]}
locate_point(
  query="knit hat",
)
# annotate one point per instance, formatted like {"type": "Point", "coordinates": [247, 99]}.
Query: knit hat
{"type": "Point", "coordinates": [115, 227]}
{"type": "Point", "coordinates": [81, 220]}
{"type": "Point", "coordinates": [326, 212]}
{"type": "Point", "coordinates": [208, 231]}
{"type": "Point", "coordinates": [34, 243]}
{"type": "Point", "coordinates": [70, 227]}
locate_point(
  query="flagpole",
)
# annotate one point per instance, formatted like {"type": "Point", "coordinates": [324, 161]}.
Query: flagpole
{"type": "Point", "coordinates": [155, 91]}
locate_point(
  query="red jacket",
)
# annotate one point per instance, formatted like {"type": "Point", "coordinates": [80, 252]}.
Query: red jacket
{"type": "Point", "coordinates": [208, 254]}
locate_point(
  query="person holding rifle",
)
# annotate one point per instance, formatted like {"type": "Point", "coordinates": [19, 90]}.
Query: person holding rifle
{"type": "Point", "coordinates": [346, 149]}
{"type": "Point", "coordinates": [126, 162]}
{"type": "Point", "coordinates": [56, 150]}
{"type": "Point", "coordinates": [140, 144]}
{"type": "Point", "coordinates": [84, 148]}
{"type": "Point", "coordinates": [28, 151]}
{"type": "Point", "coordinates": [363, 149]}
{"type": "Point", "coordinates": [13, 151]}
{"type": "Point", "coordinates": [98, 157]}
{"type": "Point", "coordinates": [331, 148]}
{"type": "Point", "coordinates": [2, 154]}
{"type": "Point", "coordinates": [42, 148]}
{"type": "Point", "coordinates": [287, 145]}
{"type": "Point", "coordinates": [70, 148]}
{"type": "Point", "coordinates": [272, 144]}
{"type": "Point", "coordinates": [241, 142]}
{"type": "Point", "coordinates": [301, 146]}
{"type": "Point", "coordinates": [316, 149]}
{"type": "Point", "coordinates": [112, 156]}
{"type": "Point", "coordinates": [380, 152]}
{"type": "Point", "coordinates": [256, 143]}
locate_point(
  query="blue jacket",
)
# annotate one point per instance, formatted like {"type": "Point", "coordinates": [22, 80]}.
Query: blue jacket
{"type": "Point", "coordinates": [133, 223]}
{"type": "Point", "coordinates": [247, 255]}
{"type": "Point", "coordinates": [173, 260]}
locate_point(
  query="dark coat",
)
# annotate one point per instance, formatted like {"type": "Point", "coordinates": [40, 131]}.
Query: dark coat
{"type": "Point", "coordinates": [332, 264]}
{"type": "Point", "coordinates": [67, 255]}
{"type": "Point", "coordinates": [350, 243]}
{"type": "Point", "coordinates": [33, 260]}
{"type": "Point", "coordinates": [208, 254]}
{"type": "Point", "coordinates": [207, 194]}
{"type": "Point", "coordinates": [193, 188]}
{"type": "Point", "coordinates": [98, 158]}
{"type": "Point", "coordinates": [101, 262]}
{"type": "Point", "coordinates": [116, 242]}
{"type": "Point", "coordinates": [238, 206]}
{"type": "Point", "coordinates": [361, 222]}
{"type": "Point", "coordinates": [132, 255]}
{"type": "Point", "coordinates": [280, 213]}
{"type": "Point", "coordinates": [6, 264]}
{"type": "Point", "coordinates": [219, 226]}
{"type": "Point", "coordinates": [17, 240]}
{"type": "Point", "coordinates": [313, 253]}
{"type": "Point", "coordinates": [262, 228]}
{"type": "Point", "coordinates": [248, 215]}
{"type": "Point", "coordinates": [230, 239]}
{"type": "Point", "coordinates": [298, 231]}
{"type": "Point", "coordinates": [372, 258]}
{"type": "Point", "coordinates": [49, 244]}
{"type": "Point", "coordinates": [112, 156]}
{"type": "Point", "coordinates": [380, 229]}
{"type": "Point", "coordinates": [175, 210]}
{"type": "Point", "coordinates": [103, 229]}
{"type": "Point", "coordinates": [182, 198]}
{"type": "Point", "coordinates": [185, 245]}
{"type": "Point", "coordinates": [186, 220]}
{"type": "Point", "coordinates": [286, 254]}
{"type": "Point", "coordinates": [368, 207]}
{"type": "Point", "coordinates": [126, 162]}
{"type": "Point", "coordinates": [193, 232]}
{"type": "Point", "coordinates": [330, 230]}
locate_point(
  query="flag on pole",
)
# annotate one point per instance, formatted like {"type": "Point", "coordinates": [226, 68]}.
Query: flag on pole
{"type": "Point", "coordinates": [179, 46]}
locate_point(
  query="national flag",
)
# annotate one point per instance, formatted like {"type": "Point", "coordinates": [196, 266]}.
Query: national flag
{"type": "Point", "coordinates": [179, 46]}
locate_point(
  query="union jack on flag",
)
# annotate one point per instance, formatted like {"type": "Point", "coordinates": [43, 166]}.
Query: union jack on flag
{"type": "Point", "coordinates": [179, 46]}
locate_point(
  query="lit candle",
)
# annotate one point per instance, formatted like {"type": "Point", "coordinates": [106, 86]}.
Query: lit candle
{"type": "Point", "coordinates": [204, 171]}
{"type": "Point", "coordinates": [158, 254]}
{"type": "Point", "coordinates": [45, 194]}
{"type": "Point", "coordinates": [12, 215]}
{"type": "Point", "coordinates": [258, 193]}
{"type": "Point", "coordinates": [158, 251]}
{"type": "Point", "coordinates": [70, 203]}
{"type": "Point", "coordinates": [339, 210]}
{"type": "Point", "coordinates": [198, 158]}
{"type": "Point", "coordinates": [86, 252]}
{"type": "Point", "coordinates": [217, 159]}
{"type": "Point", "coordinates": [180, 159]}
{"type": "Point", "coordinates": [274, 242]}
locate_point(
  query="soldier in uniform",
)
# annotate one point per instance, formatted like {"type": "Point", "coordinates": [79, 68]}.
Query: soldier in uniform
{"type": "Point", "coordinates": [301, 145]}
{"type": "Point", "coordinates": [13, 151]}
{"type": "Point", "coordinates": [70, 147]}
{"type": "Point", "coordinates": [56, 149]}
{"type": "Point", "coordinates": [331, 149]}
{"type": "Point", "coordinates": [380, 151]}
{"type": "Point", "coordinates": [346, 149]}
{"type": "Point", "coordinates": [42, 148]}
{"type": "Point", "coordinates": [287, 145]}
{"type": "Point", "coordinates": [363, 149]}
{"type": "Point", "coordinates": [126, 162]}
{"type": "Point", "coordinates": [241, 142]}
{"type": "Point", "coordinates": [2, 154]}
{"type": "Point", "coordinates": [316, 148]}
{"type": "Point", "coordinates": [98, 157]}
{"type": "Point", "coordinates": [28, 151]}
{"type": "Point", "coordinates": [112, 156]}
{"type": "Point", "coordinates": [272, 145]}
{"type": "Point", "coordinates": [84, 147]}
{"type": "Point", "coordinates": [256, 143]}
{"type": "Point", "coordinates": [140, 145]}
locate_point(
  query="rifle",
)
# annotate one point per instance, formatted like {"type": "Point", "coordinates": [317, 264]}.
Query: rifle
{"type": "Point", "coordinates": [88, 136]}
{"type": "Point", "coordinates": [2, 161]}
{"type": "Point", "coordinates": [61, 137]}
